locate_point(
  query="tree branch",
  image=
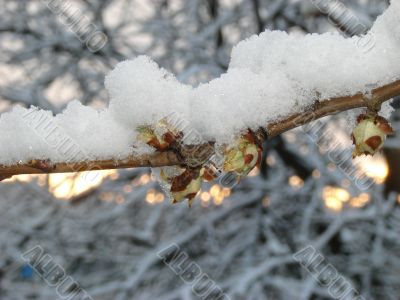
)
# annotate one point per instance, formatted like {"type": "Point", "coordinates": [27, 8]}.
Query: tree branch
{"type": "Point", "coordinates": [168, 158]}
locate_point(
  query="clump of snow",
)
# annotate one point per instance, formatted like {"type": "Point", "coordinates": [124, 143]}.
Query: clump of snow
{"type": "Point", "coordinates": [80, 133]}
{"type": "Point", "coordinates": [270, 76]}
{"type": "Point", "coordinates": [142, 93]}
{"type": "Point", "coordinates": [97, 132]}
{"type": "Point", "coordinates": [241, 99]}
{"type": "Point", "coordinates": [328, 64]}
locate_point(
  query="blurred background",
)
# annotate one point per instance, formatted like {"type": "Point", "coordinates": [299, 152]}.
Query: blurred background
{"type": "Point", "coordinates": [106, 231]}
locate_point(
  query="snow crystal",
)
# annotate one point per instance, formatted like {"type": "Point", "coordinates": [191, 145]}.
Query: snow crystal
{"type": "Point", "coordinates": [270, 75]}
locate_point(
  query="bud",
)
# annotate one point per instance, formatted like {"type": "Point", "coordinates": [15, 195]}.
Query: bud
{"type": "Point", "coordinates": [181, 183]}
{"type": "Point", "coordinates": [186, 186]}
{"type": "Point", "coordinates": [243, 156]}
{"type": "Point", "coordinates": [161, 136]}
{"type": "Point", "coordinates": [370, 134]}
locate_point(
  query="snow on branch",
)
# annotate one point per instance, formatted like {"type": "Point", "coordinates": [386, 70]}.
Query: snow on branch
{"type": "Point", "coordinates": [275, 82]}
{"type": "Point", "coordinates": [170, 158]}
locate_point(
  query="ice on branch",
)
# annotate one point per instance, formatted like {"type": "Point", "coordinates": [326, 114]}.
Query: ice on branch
{"type": "Point", "coordinates": [270, 76]}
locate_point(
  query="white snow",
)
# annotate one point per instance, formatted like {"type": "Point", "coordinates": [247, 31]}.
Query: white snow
{"type": "Point", "coordinates": [269, 76]}
{"type": "Point", "coordinates": [79, 133]}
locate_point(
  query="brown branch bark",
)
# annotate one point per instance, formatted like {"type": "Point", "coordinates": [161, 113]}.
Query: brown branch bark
{"type": "Point", "coordinates": [168, 158]}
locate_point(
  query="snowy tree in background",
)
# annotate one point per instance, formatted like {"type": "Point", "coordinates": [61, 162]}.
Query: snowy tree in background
{"type": "Point", "coordinates": [245, 239]}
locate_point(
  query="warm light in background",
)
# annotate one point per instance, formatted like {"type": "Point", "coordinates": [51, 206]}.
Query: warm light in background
{"type": "Point", "coordinates": [69, 185]}
{"type": "Point", "coordinates": [375, 167]}
{"type": "Point", "coordinates": [205, 196]}
{"type": "Point", "coordinates": [22, 178]}
{"type": "Point", "coordinates": [296, 181]}
{"type": "Point", "coordinates": [142, 180]}
{"type": "Point", "coordinates": [360, 201]}
{"type": "Point", "coordinates": [316, 174]}
{"type": "Point", "coordinates": [154, 197]}
{"type": "Point", "coordinates": [216, 195]}
{"type": "Point", "coordinates": [336, 198]}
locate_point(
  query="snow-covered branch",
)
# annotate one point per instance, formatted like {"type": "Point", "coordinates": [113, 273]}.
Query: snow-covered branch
{"type": "Point", "coordinates": [170, 158]}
